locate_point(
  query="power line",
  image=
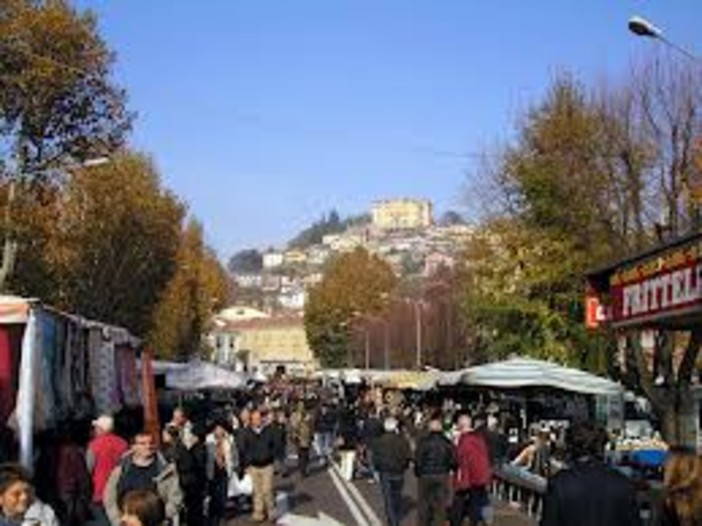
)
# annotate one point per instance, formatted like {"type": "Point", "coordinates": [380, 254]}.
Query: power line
{"type": "Point", "coordinates": [251, 118]}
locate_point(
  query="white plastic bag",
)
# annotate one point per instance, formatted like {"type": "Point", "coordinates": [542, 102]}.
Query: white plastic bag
{"type": "Point", "coordinates": [238, 487]}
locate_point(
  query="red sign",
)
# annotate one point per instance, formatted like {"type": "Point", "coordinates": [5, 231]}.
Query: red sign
{"type": "Point", "coordinates": [594, 312]}
{"type": "Point", "coordinates": [667, 285]}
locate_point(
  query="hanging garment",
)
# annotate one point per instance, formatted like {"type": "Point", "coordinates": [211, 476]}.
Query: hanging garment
{"type": "Point", "coordinates": [103, 373]}
{"type": "Point", "coordinates": [128, 376]}
{"type": "Point", "coordinates": [48, 358]}
{"type": "Point", "coordinates": [7, 362]}
{"type": "Point", "coordinates": [150, 401]}
{"type": "Point", "coordinates": [65, 389]}
{"type": "Point", "coordinates": [24, 416]}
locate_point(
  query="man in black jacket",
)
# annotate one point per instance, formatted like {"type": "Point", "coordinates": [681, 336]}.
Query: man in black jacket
{"type": "Point", "coordinates": [434, 460]}
{"type": "Point", "coordinates": [391, 458]}
{"type": "Point", "coordinates": [589, 493]}
{"type": "Point", "coordinates": [259, 449]}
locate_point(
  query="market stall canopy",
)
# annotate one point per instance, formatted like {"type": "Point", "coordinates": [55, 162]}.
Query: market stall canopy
{"type": "Point", "coordinates": [164, 367]}
{"type": "Point", "coordinates": [204, 375]}
{"type": "Point", "coordinates": [527, 372]}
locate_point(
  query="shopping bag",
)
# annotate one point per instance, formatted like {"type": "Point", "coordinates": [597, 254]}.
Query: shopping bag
{"type": "Point", "coordinates": [240, 486]}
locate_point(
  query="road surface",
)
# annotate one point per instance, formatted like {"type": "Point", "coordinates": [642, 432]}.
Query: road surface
{"type": "Point", "coordinates": [324, 499]}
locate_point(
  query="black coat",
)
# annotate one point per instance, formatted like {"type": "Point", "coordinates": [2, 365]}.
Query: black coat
{"type": "Point", "coordinates": [348, 430]}
{"type": "Point", "coordinates": [258, 449]}
{"type": "Point", "coordinates": [590, 494]}
{"type": "Point", "coordinates": [391, 453]}
{"type": "Point", "coordinates": [435, 455]}
{"type": "Point", "coordinates": [192, 469]}
{"type": "Point", "coordinates": [326, 421]}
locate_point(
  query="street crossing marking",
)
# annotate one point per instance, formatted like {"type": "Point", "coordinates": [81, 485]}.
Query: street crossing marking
{"type": "Point", "coordinates": [343, 491]}
{"type": "Point", "coordinates": [373, 519]}
{"type": "Point", "coordinates": [322, 519]}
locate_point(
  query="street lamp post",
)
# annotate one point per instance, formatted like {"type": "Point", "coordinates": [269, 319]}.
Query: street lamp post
{"type": "Point", "coordinates": [417, 306]}
{"type": "Point", "coordinates": [641, 27]}
{"type": "Point", "coordinates": [386, 341]}
{"type": "Point", "coordinates": [366, 349]}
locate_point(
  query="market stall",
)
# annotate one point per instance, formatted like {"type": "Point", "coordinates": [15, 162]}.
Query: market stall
{"type": "Point", "coordinates": [199, 376]}
{"type": "Point", "coordinates": [56, 366]}
{"type": "Point", "coordinates": [528, 372]}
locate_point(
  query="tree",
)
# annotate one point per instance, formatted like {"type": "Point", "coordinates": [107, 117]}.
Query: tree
{"type": "Point", "coordinates": [56, 97]}
{"type": "Point", "coordinates": [58, 105]}
{"type": "Point", "coordinates": [198, 288]}
{"type": "Point", "coordinates": [523, 276]}
{"type": "Point", "coordinates": [112, 248]}
{"type": "Point", "coordinates": [451, 218]}
{"type": "Point", "coordinates": [591, 178]}
{"type": "Point", "coordinates": [357, 283]}
{"type": "Point", "coordinates": [328, 224]}
{"type": "Point", "coordinates": [246, 261]}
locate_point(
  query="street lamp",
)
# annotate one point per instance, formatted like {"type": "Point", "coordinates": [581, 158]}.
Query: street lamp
{"type": "Point", "coordinates": [418, 305]}
{"type": "Point", "coordinates": [641, 27]}
{"type": "Point", "coordinates": [366, 332]}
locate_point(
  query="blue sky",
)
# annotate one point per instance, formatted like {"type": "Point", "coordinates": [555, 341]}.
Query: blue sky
{"type": "Point", "coordinates": [263, 114]}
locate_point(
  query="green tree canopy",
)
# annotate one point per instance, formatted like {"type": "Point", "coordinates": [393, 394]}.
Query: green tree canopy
{"type": "Point", "coordinates": [328, 224]}
{"type": "Point", "coordinates": [246, 261]}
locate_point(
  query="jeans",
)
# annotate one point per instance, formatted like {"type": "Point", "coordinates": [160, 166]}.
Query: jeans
{"type": "Point", "coordinates": [469, 502]}
{"type": "Point", "coordinates": [303, 460]}
{"type": "Point", "coordinates": [325, 444]}
{"type": "Point", "coordinates": [391, 486]}
{"type": "Point", "coordinates": [433, 499]}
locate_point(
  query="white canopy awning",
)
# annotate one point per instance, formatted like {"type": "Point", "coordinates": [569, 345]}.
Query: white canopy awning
{"type": "Point", "coordinates": [527, 372]}
{"type": "Point", "coordinates": [204, 375]}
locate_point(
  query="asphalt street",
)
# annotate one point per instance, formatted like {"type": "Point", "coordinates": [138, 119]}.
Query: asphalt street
{"type": "Point", "coordinates": [324, 499]}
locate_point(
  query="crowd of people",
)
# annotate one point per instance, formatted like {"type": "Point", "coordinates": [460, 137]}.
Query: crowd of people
{"type": "Point", "coordinates": [201, 470]}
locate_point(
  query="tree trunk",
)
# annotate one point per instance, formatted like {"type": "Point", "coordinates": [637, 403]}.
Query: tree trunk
{"type": "Point", "coordinates": [673, 402]}
{"type": "Point", "coordinates": [678, 421]}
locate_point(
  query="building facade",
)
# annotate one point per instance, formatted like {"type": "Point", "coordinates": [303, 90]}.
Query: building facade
{"type": "Point", "coordinates": [273, 259]}
{"type": "Point", "coordinates": [265, 344]}
{"type": "Point", "coordinates": [402, 214]}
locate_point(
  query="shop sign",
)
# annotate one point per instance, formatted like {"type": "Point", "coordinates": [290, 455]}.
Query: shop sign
{"type": "Point", "coordinates": [666, 285]}
{"type": "Point", "coordinates": [595, 312]}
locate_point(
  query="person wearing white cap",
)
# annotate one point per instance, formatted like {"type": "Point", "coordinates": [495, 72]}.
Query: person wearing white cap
{"type": "Point", "coordinates": [104, 453]}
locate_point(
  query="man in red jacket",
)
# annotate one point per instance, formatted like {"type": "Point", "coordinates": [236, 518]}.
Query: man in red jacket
{"type": "Point", "coordinates": [105, 451]}
{"type": "Point", "coordinates": [473, 475]}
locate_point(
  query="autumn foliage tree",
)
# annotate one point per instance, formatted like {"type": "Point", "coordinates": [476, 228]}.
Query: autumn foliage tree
{"type": "Point", "coordinates": [199, 286]}
{"type": "Point", "coordinates": [106, 241]}
{"type": "Point", "coordinates": [112, 246]}
{"type": "Point", "coordinates": [58, 103]}
{"type": "Point", "coordinates": [593, 176]}
{"type": "Point", "coordinates": [355, 284]}
{"type": "Point", "coordinates": [57, 99]}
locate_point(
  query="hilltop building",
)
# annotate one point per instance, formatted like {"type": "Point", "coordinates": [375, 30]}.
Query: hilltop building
{"type": "Point", "coordinates": [401, 214]}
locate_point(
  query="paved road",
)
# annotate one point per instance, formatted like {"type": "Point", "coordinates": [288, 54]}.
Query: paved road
{"type": "Point", "coordinates": [324, 499]}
